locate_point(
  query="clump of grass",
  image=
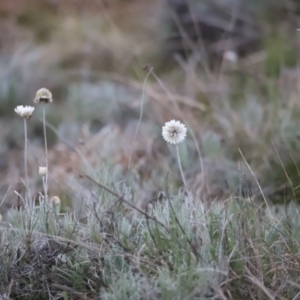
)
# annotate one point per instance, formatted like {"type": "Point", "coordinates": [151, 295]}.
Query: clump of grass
{"type": "Point", "coordinates": [182, 251]}
{"type": "Point", "coordinates": [176, 248]}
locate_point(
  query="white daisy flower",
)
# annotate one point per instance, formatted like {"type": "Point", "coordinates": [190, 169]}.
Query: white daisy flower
{"type": "Point", "coordinates": [43, 95]}
{"type": "Point", "coordinates": [174, 132]}
{"type": "Point", "coordinates": [42, 171]}
{"type": "Point", "coordinates": [24, 111]}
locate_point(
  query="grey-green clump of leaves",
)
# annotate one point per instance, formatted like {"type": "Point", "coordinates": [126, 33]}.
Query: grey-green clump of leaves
{"type": "Point", "coordinates": [175, 248]}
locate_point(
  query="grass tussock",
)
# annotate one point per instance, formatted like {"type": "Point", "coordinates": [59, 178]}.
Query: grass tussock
{"type": "Point", "coordinates": [178, 248]}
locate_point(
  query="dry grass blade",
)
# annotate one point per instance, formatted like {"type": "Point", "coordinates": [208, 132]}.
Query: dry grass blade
{"type": "Point", "coordinates": [259, 285]}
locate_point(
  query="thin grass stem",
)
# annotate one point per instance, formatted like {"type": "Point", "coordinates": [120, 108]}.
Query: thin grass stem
{"type": "Point", "coordinates": [27, 194]}
{"type": "Point", "coordinates": [139, 122]}
{"type": "Point", "coordinates": [180, 166]}
{"type": "Point", "coordinates": [46, 153]}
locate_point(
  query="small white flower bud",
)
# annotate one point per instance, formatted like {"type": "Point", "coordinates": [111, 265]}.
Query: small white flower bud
{"type": "Point", "coordinates": [56, 203]}
{"type": "Point", "coordinates": [55, 200]}
{"type": "Point", "coordinates": [42, 171]}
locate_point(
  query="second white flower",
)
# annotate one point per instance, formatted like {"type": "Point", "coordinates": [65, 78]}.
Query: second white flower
{"type": "Point", "coordinates": [174, 132]}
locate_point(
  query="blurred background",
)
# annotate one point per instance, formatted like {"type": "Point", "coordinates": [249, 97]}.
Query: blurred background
{"type": "Point", "coordinates": [230, 66]}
